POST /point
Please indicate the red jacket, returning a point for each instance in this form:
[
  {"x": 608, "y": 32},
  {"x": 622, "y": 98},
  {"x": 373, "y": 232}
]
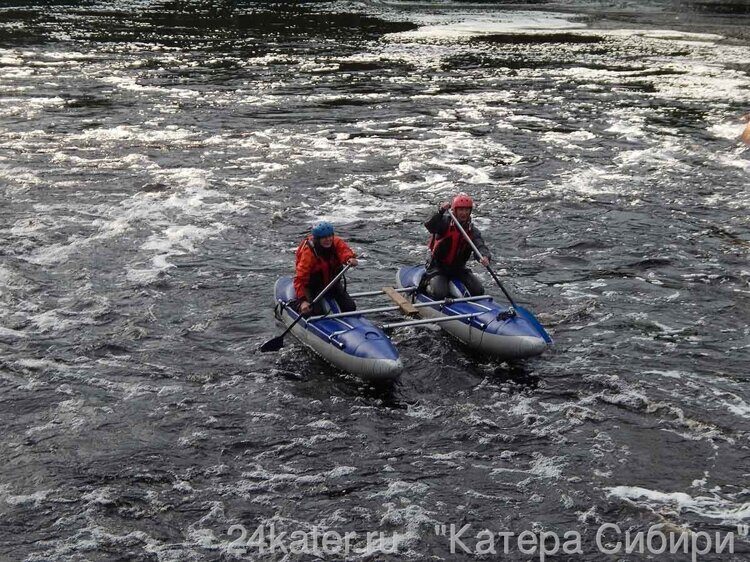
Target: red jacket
[
  {"x": 450, "y": 252},
  {"x": 308, "y": 263}
]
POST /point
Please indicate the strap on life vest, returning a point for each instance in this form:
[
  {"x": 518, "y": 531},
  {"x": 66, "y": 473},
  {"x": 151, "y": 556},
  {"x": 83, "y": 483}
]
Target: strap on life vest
[
  {"x": 325, "y": 267},
  {"x": 454, "y": 238}
]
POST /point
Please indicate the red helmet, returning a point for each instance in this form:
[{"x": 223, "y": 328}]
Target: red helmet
[{"x": 462, "y": 200}]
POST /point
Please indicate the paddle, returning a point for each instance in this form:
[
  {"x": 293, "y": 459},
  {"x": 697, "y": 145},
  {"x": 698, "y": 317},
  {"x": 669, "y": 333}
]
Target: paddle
[
  {"x": 512, "y": 310},
  {"x": 277, "y": 343}
]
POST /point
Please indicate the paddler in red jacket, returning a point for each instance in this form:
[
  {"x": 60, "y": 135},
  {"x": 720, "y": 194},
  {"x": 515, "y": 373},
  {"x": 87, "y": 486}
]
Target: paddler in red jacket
[
  {"x": 320, "y": 257},
  {"x": 450, "y": 251}
]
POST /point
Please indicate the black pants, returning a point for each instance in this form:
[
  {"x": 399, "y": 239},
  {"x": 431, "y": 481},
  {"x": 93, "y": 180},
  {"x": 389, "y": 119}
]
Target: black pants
[
  {"x": 437, "y": 285},
  {"x": 337, "y": 292}
]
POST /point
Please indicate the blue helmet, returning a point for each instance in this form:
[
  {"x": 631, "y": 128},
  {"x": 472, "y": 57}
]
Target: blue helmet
[{"x": 322, "y": 229}]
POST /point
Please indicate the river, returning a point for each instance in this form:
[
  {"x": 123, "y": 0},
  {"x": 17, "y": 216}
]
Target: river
[{"x": 161, "y": 161}]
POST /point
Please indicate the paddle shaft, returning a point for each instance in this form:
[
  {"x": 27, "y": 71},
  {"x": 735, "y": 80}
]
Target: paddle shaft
[
  {"x": 276, "y": 343},
  {"x": 479, "y": 256},
  {"x": 321, "y": 294}
]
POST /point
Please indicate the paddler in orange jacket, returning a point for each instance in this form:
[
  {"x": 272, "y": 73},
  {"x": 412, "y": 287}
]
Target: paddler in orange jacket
[
  {"x": 320, "y": 257},
  {"x": 450, "y": 252}
]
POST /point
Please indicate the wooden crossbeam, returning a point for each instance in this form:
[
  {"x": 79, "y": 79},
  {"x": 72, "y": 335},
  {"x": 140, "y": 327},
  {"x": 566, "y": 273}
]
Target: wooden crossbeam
[{"x": 404, "y": 305}]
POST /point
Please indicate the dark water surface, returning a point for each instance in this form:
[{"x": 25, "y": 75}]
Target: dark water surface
[{"x": 159, "y": 163}]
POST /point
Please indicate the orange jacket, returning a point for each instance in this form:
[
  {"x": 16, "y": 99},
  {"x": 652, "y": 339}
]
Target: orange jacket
[{"x": 308, "y": 263}]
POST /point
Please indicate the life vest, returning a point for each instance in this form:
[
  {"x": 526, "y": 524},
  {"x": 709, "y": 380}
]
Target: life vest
[
  {"x": 450, "y": 248},
  {"x": 327, "y": 266}
]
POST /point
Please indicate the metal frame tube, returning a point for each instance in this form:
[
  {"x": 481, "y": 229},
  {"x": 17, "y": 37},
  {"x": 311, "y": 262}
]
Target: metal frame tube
[
  {"x": 451, "y": 301},
  {"x": 393, "y": 308},
  {"x": 352, "y": 313},
  {"x": 375, "y": 293},
  {"x": 430, "y": 320}
]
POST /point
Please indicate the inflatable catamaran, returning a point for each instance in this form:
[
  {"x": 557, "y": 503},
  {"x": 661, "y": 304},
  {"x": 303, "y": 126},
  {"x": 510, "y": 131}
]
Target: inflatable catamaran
[
  {"x": 351, "y": 342},
  {"x": 347, "y": 340},
  {"x": 482, "y": 324}
]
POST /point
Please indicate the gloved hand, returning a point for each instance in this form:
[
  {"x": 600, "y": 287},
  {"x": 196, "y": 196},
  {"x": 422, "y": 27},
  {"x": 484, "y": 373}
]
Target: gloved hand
[{"x": 305, "y": 308}]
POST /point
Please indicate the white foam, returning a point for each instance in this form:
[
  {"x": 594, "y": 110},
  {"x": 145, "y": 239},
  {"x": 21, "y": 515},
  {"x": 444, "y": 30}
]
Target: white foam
[
  {"x": 672, "y": 374},
  {"x": 541, "y": 467},
  {"x": 71, "y": 56},
  {"x": 34, "y": 499},
  {"x": 709, "y": 82},
  {"x": 184, "y": 199},
  {"x": 728, "y": 130},
  {"x": 261, "y": 479},
  {"x": 8, "y": 333},
  {"x": 14, "y": 73},
  {"x": 340, "y": 471},
  {"x": 735, "y": 160},
  {"x": 445, "y": 27},
  {"x": 19, "y": 180},
  {"x": 401, "y": 488},
  {"x": 629, "y": 129},
  {"x": 9, "y": 278},
  {"x": 130, "y": 83},
  {"x": 144, "y": 276},
  {"x": 546, "y": 467},
  {"x": 133, "y": 133},
  {"x": 523, "y": 406},
  {"x": 669, "y": 34},
  {"x": 193, "y": 439},
  {"x": 413, "y": 517},
  {"x": 9, "y": 58},
  {"x": 36, "y": 363},
  {"x": 176, "y": 240},
  {"x": 709, "y": 507},
  {"x": 453, "y": 455},
  {"x": 737, "y": 405},
  {"x": 567, "y": 140},
  {"x": 323, "y": 424},
  {"x": 54, "y": 321},
  {"x": 423, "y": 411},
  {"x": 100, "y": 496},
  {"x": 591, "y": 180},
  {"x": 660, "y": 156}
]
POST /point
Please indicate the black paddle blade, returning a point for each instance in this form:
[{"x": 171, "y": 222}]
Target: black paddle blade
[{"x": 274, "y": 344}]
